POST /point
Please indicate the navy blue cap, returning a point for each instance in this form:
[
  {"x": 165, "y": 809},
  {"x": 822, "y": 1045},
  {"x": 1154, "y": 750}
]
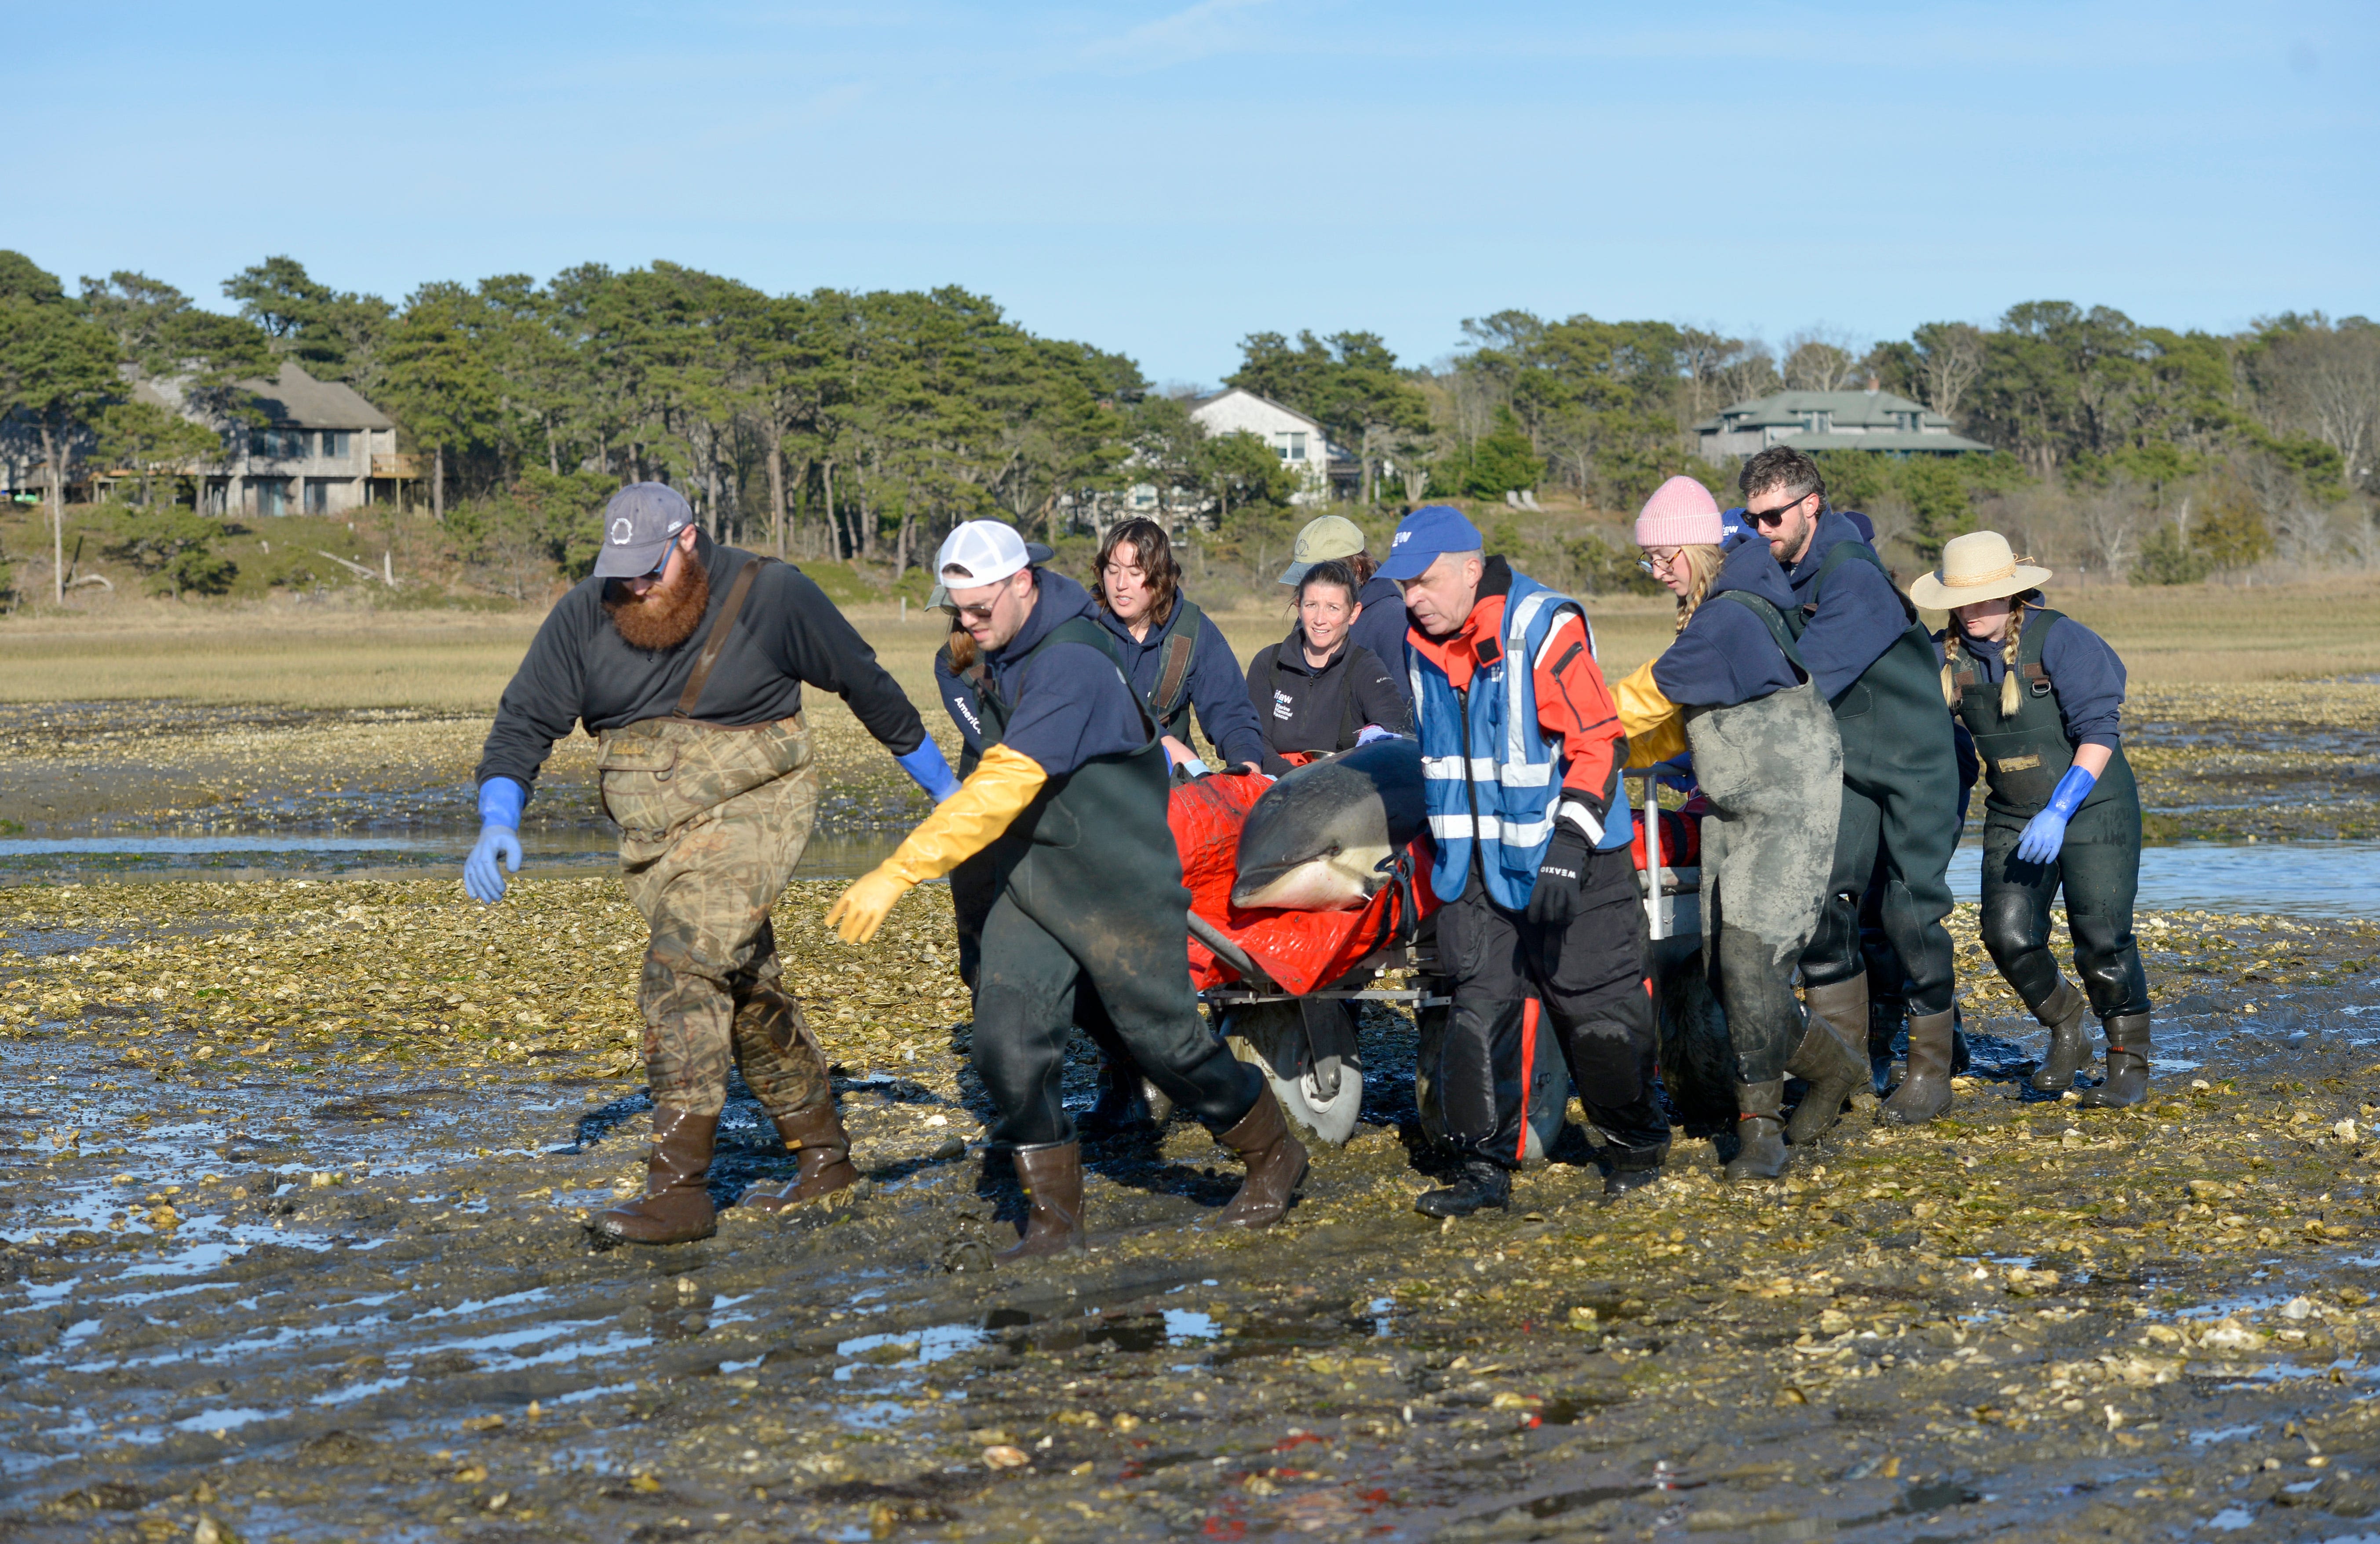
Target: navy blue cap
[
  {"x": 1426, "y": 534},
  {"x": 638, "y": 526},
  {"x": 1861, "y": 523}
]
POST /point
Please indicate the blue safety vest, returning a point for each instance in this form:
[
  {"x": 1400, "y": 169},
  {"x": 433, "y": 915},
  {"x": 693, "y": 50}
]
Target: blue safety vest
[{"x": 1489, "y": 774}]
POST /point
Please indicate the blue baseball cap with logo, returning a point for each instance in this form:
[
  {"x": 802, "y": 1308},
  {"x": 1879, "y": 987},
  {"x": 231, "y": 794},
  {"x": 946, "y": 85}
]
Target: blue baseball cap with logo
[{"x": 1425, "y": 535}]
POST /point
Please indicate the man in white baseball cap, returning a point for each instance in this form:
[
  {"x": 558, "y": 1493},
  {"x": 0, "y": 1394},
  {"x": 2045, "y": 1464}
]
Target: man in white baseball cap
[{"x": 1069, "y": 801}]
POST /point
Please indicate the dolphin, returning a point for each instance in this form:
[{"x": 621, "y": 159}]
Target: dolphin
[{"x": 1319, "y": 838}]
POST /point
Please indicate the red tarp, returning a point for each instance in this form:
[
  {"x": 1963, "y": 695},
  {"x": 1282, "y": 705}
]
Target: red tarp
[{"x": 1300, "y": 950}]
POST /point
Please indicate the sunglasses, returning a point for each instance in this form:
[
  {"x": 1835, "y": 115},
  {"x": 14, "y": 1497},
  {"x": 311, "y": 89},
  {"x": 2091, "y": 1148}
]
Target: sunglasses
[
  {"x": 1766, "y": 518},
  {"x": 974, "y": 613}
]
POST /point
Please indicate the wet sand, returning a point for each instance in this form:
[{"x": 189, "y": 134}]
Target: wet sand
[{"x": 295, "y": 1245}]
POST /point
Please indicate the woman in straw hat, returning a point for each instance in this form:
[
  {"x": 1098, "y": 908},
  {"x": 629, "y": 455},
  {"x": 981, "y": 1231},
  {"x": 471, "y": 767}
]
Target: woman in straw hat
[
  {"x": 1770, "y": 762},
  {"x": 2043, "y": 696}
]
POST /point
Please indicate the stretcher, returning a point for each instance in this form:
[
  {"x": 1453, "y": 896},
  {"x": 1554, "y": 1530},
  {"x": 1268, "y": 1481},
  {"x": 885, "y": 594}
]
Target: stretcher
[{"x": 1282, "y": 984}]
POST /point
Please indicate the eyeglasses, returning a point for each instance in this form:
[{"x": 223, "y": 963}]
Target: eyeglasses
[
  {"x": 1767, "y": 517},
  {"x": 973, "y": 614},
  {"x": 1653, "y": 562}
]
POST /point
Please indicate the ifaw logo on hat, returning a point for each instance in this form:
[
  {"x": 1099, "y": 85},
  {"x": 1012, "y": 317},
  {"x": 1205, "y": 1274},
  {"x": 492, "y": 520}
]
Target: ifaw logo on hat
[
  {"x": 1403, "y": 537},
  {"x": 622, "y": 528}
]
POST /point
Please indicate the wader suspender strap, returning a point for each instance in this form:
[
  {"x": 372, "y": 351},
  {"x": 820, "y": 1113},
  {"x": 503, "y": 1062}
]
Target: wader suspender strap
[
  {"x": 1837, "y": 555},
  {"x": 1771, "y": 619},
  {"x": 1173, "y": 675},
  {"x": 719, "y": 628},
  {"x": 1965, "y": 672}
]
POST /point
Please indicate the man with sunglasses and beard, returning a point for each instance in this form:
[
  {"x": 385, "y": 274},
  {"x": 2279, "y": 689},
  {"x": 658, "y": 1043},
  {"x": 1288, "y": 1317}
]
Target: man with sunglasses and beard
[
  {"x": 1874, "y": 663},
  {"x": 686, "y": 660}
]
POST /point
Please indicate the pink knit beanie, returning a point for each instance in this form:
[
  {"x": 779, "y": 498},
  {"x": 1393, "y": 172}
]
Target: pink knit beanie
[{"x": 1680, "y": 514}]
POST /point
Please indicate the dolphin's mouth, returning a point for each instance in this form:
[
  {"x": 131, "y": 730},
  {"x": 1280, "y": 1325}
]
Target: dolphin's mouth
[{"x": 1328, "y": 880}]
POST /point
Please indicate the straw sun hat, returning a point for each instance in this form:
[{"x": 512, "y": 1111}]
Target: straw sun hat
[{"x": 1980, "y": 565}]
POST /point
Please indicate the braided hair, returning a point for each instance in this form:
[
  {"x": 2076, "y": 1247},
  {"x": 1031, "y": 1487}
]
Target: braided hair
[
  {"x": 1703, "y": 562},
  {"x": 2011, "y": 694}
]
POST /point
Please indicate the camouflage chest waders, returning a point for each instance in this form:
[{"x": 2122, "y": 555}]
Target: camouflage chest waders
[
  {"x": 2024, "y": 755},
  {"x": 713, "y": 822}
]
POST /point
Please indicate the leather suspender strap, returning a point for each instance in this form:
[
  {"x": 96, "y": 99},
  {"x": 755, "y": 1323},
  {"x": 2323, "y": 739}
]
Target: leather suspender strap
[
  {"x": 721, "y": 626},
  {"x": 1171, "y": 676}
]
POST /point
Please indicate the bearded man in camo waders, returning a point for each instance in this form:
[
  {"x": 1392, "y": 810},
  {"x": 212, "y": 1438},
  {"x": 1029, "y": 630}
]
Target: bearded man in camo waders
[
  {"x": 1069, "y": 799},
  {"x": 1875, "y": 665},
  {"x": 686, "y": 660}
]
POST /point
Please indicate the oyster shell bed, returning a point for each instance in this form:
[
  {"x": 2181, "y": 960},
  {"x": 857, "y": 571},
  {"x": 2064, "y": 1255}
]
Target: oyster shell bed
[{"x": 298, "y": 1169}]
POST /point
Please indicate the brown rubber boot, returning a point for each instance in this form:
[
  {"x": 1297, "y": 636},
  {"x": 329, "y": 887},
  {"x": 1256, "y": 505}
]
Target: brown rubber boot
[
  {"x": 1760, "y": 1129},
  {"x": 2070, "y": 1046},
  {"x": 2128, "y": 1064},
  {"x": 1052, "y": 1178},
  {"x": 1276, "y": 1162},
  {"x": 821, "y": 1155},
  {"x": 1925, "y": 1092},
  {"x": 675, "y": 1208},
  {"x": 1844, "y": 1005},
  {"x": 1827, "y": 1061}
]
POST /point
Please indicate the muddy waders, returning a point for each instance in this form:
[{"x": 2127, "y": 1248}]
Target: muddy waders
[
  {"x": 713, "y": 821},
  {"x": 1772, "y": 771},
  {"x": 2024, "y": 755},
  {"x": 1090, "y": 893},
  {"x": 1899, "y": 809}
]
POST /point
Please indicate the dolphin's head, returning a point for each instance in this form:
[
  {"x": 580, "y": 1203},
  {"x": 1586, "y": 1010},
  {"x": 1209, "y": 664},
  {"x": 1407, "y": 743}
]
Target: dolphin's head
[{"x": 1322, "y": 837}]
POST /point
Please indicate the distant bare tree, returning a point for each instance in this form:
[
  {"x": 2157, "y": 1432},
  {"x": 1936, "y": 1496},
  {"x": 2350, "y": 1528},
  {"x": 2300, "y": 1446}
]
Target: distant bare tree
[
  {"x": 1950, "y": 358},
  {"x": 1713, "y": 365},
  {"x": 1820, "y": 359},
  {"x": 1749, "y": 373},
  {"x": 2107, "y": 525},
  {"x": 2324, "y": 380}
]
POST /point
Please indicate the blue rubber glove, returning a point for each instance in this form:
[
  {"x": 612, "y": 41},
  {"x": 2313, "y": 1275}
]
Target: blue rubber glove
[
  {"x": 925, "y": 765},
  {"x": 1677, "y": 772},
  {"x": 2045, "y": 832},
  {"x": 1371, "y": 731},
  {"x": 501, "y": 803}
]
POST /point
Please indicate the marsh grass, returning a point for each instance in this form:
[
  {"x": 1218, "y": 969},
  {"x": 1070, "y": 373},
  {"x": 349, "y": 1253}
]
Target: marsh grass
[{"x": 459, "y": 663}]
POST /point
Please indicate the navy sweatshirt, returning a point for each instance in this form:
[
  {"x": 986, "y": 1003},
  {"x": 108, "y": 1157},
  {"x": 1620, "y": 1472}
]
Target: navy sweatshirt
[
  {"x": 1070, "y": 705},
  {"x": 1726, "y": 655},
  {"x": 1381, "y": 629},
  {"x": 2085, "y": 676},
  {"x": 1219, "y": 693},
  {"x": 579, "y": 670},
  {"x": 1857, "y": 620}
]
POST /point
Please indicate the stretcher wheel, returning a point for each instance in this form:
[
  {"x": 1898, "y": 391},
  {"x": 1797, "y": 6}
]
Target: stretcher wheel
[
  {"x": 1549, "y": 1083},
  {"x": 1309, "y": 1053}
]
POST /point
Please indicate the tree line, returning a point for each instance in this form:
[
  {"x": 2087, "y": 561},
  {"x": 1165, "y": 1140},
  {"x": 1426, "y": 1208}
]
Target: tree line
[{"x": 838, "y": 424}]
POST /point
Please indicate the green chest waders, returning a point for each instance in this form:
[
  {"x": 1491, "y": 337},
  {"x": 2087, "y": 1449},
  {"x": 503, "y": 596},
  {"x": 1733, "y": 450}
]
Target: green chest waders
[
  {"x": 2024, "y": 755},
  {"x": 1900, "y": 814},
  {"x": 1090, "y": 892}
]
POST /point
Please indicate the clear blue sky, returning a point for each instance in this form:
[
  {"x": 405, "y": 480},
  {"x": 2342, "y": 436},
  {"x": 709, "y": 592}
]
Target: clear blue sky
[{"x": 1165, "y": 177}]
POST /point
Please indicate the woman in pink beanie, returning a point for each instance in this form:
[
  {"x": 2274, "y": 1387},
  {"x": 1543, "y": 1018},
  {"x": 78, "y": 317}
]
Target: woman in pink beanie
[{"x": 1769, "y": 760}]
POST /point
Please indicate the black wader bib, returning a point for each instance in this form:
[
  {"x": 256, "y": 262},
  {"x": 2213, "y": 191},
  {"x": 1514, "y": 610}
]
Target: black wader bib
[
  {"x": 2024, "y": 756},
  {"x": 1900, "y": 804},
  {"x": 1090, "y": 894},
  {"x": 1772, "y": 769}
]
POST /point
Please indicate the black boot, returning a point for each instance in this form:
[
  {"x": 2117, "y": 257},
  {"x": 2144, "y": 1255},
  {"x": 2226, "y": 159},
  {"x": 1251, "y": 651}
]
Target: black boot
[
  {"x": 1826, "y": 1061},
  {"x": 2128, "y": 1064},
  {"x": 1123, "y": 1107},
  {"x": 1759, "y": 1130},
  {"x": 1925, "y": 1092},
  {"x": 1480, "y": 1185},
  {"x": 2070, "y": 1046},
  {"x": 1633, "y": 1168}
]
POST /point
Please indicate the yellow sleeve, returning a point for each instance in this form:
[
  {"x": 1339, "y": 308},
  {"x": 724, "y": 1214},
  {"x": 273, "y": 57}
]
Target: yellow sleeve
[
  {"x": 1656, "y": 729},
  {"x": 959, "y": 827}
]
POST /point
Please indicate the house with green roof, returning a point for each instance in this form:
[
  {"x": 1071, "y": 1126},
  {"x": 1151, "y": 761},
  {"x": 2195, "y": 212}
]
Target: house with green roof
[{"x": 1872, "y": 419}]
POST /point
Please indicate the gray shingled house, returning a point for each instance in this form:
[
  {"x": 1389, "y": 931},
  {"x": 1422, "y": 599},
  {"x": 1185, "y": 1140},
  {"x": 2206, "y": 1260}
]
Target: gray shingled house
[
  {"x": 321, "y": 449},
  {"x": 1872, "y": 419}
]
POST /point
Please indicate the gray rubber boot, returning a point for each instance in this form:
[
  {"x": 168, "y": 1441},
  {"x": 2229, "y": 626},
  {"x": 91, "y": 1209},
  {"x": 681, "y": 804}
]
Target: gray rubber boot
[
  {"x": 1826, "y": 1061},
  {"x": 1925, "y": 1092},
  {"x": 1761, "y": 1130},
  {"x": 2128, "y": 1064}
]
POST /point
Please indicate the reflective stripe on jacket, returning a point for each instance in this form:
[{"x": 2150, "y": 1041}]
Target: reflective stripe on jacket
[{"x": 1491, "y": 772}]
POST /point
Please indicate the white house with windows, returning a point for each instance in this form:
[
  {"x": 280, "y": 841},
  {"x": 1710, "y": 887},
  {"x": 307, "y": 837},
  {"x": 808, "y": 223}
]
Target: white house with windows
[{"x": 1305, "y": 446}]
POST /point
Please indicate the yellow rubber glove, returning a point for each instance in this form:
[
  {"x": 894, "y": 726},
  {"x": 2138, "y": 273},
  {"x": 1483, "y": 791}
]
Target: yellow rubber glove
[
  {"x": 959, "y": 827},
  {"x": 1655, "y": 726}
]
